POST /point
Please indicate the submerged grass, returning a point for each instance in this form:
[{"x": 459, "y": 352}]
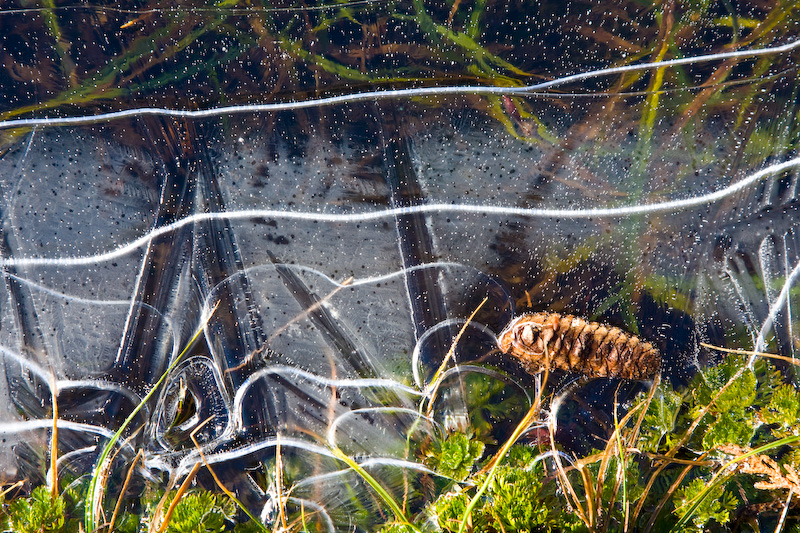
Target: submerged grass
[
  {"x": 668, "y": 464},
  {"x": 94, "y": 497},
  {"x": 675, "y": 460},
  {"x": 189, "y": 510}
]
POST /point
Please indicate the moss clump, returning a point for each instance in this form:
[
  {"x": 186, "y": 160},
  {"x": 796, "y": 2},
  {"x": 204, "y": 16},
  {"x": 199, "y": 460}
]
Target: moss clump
[{"x": 41, "y": 512}]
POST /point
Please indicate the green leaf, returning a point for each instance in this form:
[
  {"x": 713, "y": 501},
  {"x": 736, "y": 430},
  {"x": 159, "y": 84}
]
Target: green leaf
[
  {"x": 729, "y": 428},
  {"x": 660, "y": 420},
  {"x": 514, "y": 503},
  {"x": 39, "y": 513},
  {"x": 716, "y": 504},
  {"x": 730, "y": 392},
  {"x": 94, "y": 496},
  {"x": 519, "y": 498},
  {"x": 739, "y": 395},
  {"x": 397, "y": 527},
  {"x": 449, "y": 510},
  {"x": 783, "y": 407},
  {"x": 201, "y": 512},
  {"x": 457, "y": 456}
]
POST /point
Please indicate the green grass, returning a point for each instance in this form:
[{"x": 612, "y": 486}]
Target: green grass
[
  {"x": 693, "y": 459},
  {"x": 677, "y": 461}
]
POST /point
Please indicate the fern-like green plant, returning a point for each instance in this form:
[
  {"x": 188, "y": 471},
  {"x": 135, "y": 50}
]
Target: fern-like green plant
[
  {"x": 455, "y": 456},
  {"x": 201, "y": 512},
  {"x": 518, "y": 498},
  {"x": 396, "y": 527},
  {"x": 783, "y": 408},
  {"x": 39, "y": 513},
  {"x": 716, "y": 506}
]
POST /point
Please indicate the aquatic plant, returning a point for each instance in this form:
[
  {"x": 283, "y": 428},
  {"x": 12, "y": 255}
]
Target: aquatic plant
[{"x": 676, "y": 460}]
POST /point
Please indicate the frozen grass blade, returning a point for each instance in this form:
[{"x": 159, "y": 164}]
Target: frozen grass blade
[
  {"x": 622, "y": 473},
  {"x": 279, "y": 482},
  {"x": 631, "y": 441},
  {"x": 139, "y": 455},
  {"x": 680, "y": 444},
  {"x": 619, "y": 446},
  {"x": 782, "y": 519},
  {"x": 569, "y": 490},
  {"x": 300, "y": 316},
  {"x": 377, "y": 487},
  {"x": 178, "y": 495},
  {"x": 656, "y": 82},
  {"x": 54, "y": 441},
  {"x": 94, "y": 495},
  {"x": 723, "y": 474},
  {"x": 687, "y": 435},
  {"x": 8, "y": 489},
  {"x": 752, "y": 353},
  {"x": 219, "y": 483},
  {"x": 669, "y": 492},
  {"x": 437, "y": 377},
  {"x": 623, "y": 451},
  {"x": 529, "y": 417}
]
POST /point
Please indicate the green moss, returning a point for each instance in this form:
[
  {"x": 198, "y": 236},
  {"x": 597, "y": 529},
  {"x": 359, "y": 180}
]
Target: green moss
[
  {"x": 519, "y": 498},
  {"x": 201, "y": 512},
  {"x": 783, "y": 407},
  {"x": 456, "y": 455},
  {"x": 716, "y": 505},
  {"x": 39, "y": 513}
]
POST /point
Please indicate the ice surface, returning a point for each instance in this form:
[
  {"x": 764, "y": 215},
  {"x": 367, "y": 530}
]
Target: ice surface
[{"x": 340, "y": 243}]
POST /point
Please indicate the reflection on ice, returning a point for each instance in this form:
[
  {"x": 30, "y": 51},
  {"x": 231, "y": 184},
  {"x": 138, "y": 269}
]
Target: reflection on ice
[
  {"x": 446, "y": 331},
  {"x": 196, "y": 383},
  {"x": 763, "y": 279},
  {"x": 33, "y": 425}
]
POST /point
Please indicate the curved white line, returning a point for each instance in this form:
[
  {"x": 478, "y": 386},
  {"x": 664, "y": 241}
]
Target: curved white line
[
  {"x": 325, "y": 382},
  {"x": 63, "y": 384},
  {"x": 268, "y": 267},
  {"x": 26, "y": 363},
  {"x": 487, "y": 372},
  {"x": 188, "y": 462},
  {"x": 103, "y": 385},
  {"x": 375, "y": 279},
  {"x": 390, "y": 94},
  {"x": 64, "y": 296},
  {"x": 331, "y": 437},
  {"x": 369, "y": 216},
  {"x": 775, "y": 307},
  {"x": 415, "y": 354},
  {"x": 400, "y": 463},
  {"x": 552, "y": 453},
  {"x": 317, "y": 507},
  {"x": 378, "y": 461},
  {"x": 31, "y": 425}
]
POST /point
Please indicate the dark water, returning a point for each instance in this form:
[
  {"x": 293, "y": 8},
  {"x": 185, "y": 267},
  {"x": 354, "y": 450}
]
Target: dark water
[{"x": 156, "y": 178}]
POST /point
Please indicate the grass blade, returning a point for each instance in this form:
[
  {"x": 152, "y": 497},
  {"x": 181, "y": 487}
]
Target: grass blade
[{"x": 94, "y": 496}]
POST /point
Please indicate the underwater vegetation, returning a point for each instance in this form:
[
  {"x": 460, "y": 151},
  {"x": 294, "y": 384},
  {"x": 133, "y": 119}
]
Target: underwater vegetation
[{"x": 720, "y": 454}]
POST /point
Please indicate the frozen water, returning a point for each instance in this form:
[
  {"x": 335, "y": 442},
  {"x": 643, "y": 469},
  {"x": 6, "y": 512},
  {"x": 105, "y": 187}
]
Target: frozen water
[{"x": 339, "y": 244}]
